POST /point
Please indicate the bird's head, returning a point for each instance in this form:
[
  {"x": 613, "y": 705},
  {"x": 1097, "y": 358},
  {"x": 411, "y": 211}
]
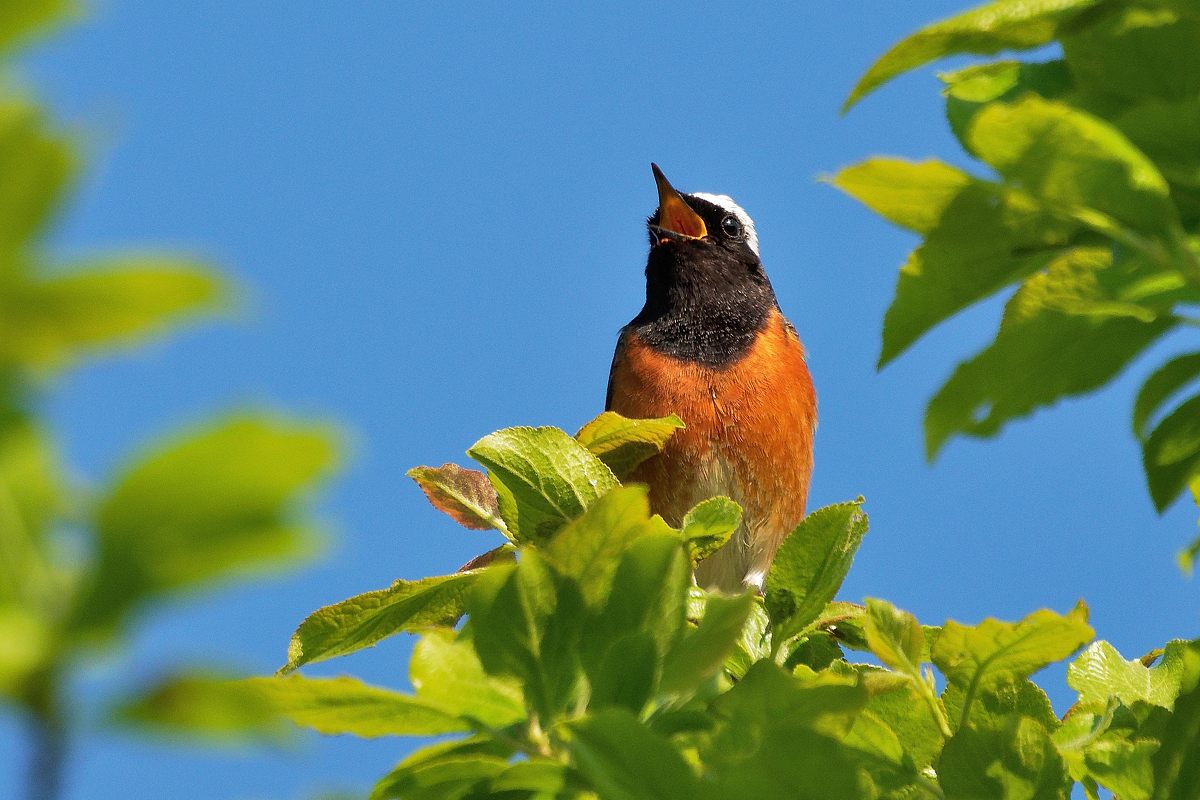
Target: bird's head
[{"x": 708, "y": 229}]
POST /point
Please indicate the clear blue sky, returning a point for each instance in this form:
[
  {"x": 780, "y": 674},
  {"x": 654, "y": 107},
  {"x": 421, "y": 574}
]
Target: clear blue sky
[{"x": 439, "y": 210}]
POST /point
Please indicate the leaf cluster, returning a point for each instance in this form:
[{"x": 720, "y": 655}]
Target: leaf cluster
[
  {"x": 1090, "y": 208},
  {"x": 580, "y": 660}
]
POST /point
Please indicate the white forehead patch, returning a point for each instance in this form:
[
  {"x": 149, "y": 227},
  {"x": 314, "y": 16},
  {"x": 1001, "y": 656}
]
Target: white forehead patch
[{"x": 726, "y": 202}]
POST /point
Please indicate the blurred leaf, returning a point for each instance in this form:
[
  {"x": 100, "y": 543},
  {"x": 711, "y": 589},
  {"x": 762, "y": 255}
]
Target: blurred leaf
[
  {"x": 709, "y": 525},
  {"x": 1168, "y": 131},
  {"x": 18, "y": 19},
  {"x": 35, "y": 163},
  {"x": 1136, "y": 52},
  {"x": 1176, "y": 768},
  {"x": 624, "y": 760},
  {"x": 649, "y": 594},
  {"x": 543, "y": 477},
  {"x": 201, "y": 507},
  {"x": 1077, "y": 164},
  {"x": 1100, "y": 673},
  {"x": 527, "y": 622},
  {"x": 346, "y": 705},
  {"x": 623, "y": 443},
  {"x": 46, "y": 321},
  {"x": 211, "y": 705},
  {"x": 1171, "y": 453},
  {"x": 995, "y": 26},
  {"x": 810, "y": 566},
  {"x": 447, "y": 675},
  {"x": 30, "y": 493},
  {"x": 627, "y": 674},
  {"x": 968, "y": 90},
  {"x": 1123, "y": 766},
  {"x": 1160, "y": 386},
  {"x": 464, "y": 494},
  {"x": 703, "y": 650},
  {"x": 1045, "y": 350},
  {"x": 25, "y": 647},
  {"x": 1013, "y": 760},
  {"x": 754, "y": 644},
  {"x": 365, "y": 619},
  {"x": 541, "y": 776},
  {"x": 996, "y": 652},
  {"x": 589, "y": 548}
]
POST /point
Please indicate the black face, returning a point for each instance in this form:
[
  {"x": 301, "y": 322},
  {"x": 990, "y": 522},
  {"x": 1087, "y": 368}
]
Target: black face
[{"x": 706, "y": 298}]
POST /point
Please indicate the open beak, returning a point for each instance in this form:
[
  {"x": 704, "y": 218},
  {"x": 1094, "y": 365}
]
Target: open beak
[{"x": 676, "y": 219}]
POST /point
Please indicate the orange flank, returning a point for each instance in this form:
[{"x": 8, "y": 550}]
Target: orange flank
[{"x": 749, "y": 436}]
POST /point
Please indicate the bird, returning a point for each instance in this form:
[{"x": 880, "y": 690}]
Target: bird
[{"x": 711, "y": 346}]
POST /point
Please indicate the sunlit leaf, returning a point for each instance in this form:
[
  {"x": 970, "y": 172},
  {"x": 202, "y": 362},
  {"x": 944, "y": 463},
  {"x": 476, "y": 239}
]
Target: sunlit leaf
[
  {"x": 45, "y": 321},
  {"x": 1171, "y": 453},
  {"x": 1160, "y": 386},
  {"x": 702, "y": 651},
  {"x": 623, "y": 443},
  {"x": 1015, "y": 758},
  {"x": 19, "y": 19},
  {"x": 221, "y": 500},
  {"x": 1176, "y": 768},
  {"x": 447, "y": 675},
  {"x": 544, "y": 478},
  {"x": 811, "y": 564},
  {"x": 623, "y": 759},
  {"x": 994, "y": 26},
  {"x": 35, "y": 162},
  {"x": 1100, "y": 673},
  {"x": 709, "y": 525},
  {"x": 969, "y": 90},
  {"x": 365, "y": 619}
]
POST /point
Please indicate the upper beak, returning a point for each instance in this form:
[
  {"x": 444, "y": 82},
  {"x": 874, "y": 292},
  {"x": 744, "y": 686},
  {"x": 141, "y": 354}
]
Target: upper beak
[{"x": 675, "y": 216}]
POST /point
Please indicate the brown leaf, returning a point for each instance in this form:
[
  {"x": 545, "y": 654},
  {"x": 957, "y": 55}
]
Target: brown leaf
[{"x": 465, "y": 494}]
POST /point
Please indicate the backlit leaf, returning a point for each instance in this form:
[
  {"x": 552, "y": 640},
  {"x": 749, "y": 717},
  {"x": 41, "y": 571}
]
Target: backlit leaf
[
  {"x": 35, "y": 162},
  {"x": 623, "y": 443},
  {"x": 1014, "y": 760},
  {"x": 447, "y": 675},
  {"x": 465, "y": 495},
  {"x": 1100, "y": 673},
  {"x": 1171, "y": 453},
  {"x": 709, "y": 525},
  {"x": 1160, "y": 386}
]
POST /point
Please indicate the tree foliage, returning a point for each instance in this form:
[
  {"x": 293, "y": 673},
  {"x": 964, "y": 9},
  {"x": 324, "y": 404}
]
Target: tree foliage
[{"x": 1090, "y": 208}]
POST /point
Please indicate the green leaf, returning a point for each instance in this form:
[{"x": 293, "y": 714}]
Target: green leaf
[
  {"x": 35, "y": 163},
  {"x": 781, "y": 738},
  {"x": 18, "y": 20},
  {"x": 1045, "y": 350},
  {"x": 30, "y": 494},
  {"x": 1168, "y": 132},
  {"x": 44, "y": 322},
  {"x": 906, "y": 713},
  {"x": 623, "y": 760},
  {"x": 627, "y": 674},
  {"x": 26, "y": 645},
  {"x": 204, "y": 506},
  {"x": 1021, "y": 697},
  {"x": 589, "y": 548},
  {"x": 208, "y": 705},
  {"x": 623, "y": 443},
  {"x": 527, "y": 622},
  {"x": 540, "y": 777},
  {"x": 971, "y": 89},
  {"x": 1176, "y": 768},
  {"x": 895, "y": 637},
  {"x": 444, "y": 769},
  {"x": 1171, "y": 454},
  {"x": 1078, "y": 165},
  {"x": 1135, "y": 52},
  {"x": 996, "y": 26},
  {"x": 346, "y": 705},
  {"x": 996, "y": 652},
  {"x": 649, "y": 593},
  {"x": 703, "y": 650},
  {"x": 365, "y": 619},
  {"x": 465, "y": 495},
  {"x": 810, "y": 566},
  {"x": 543, "y": 477},
  {"x": 912, "y": 195},
  {"x": 447, "y": 675},
  {"x": 709, "y": 525},
  {"x": 1123, "y": 766},
  {"x": 1100, "y": 673},
  {"x": 1013, "y": 760},
  {"x": 1160, "y": 386}
]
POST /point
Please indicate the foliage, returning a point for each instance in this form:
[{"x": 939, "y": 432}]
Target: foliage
[
  {"x": 583, "y": 662},
  {"x": 1092, "y": 211},
  {"x": 78, "y": 564}
]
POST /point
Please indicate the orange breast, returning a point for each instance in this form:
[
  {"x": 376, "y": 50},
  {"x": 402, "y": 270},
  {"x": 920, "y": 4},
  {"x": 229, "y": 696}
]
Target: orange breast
[{"x": 749, "y": 436}]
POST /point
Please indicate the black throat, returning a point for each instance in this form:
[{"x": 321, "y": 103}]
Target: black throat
[{"x": 704, "y": 303}]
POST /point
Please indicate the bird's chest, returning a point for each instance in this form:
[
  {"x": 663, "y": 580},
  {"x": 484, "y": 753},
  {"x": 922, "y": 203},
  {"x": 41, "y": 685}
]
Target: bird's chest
[{"x": 748, "y": 428}]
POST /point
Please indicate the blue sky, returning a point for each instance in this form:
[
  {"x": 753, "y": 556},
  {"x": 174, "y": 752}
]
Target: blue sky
[{"x": 438, "y": 212}]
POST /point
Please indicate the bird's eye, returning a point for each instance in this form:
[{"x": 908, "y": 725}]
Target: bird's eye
[{"x": 731, "y": 227}]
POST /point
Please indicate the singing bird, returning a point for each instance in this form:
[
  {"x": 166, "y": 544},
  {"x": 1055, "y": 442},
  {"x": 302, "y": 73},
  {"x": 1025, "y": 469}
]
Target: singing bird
[{"x": 712, "y": 346}]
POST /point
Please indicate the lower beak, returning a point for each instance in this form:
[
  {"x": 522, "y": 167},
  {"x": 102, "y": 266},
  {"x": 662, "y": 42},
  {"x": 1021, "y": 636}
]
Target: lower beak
[{"x": 676, "y": 219}]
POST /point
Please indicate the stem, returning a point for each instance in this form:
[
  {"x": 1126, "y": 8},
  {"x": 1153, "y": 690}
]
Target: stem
[{"x": 49, "y": 737}]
